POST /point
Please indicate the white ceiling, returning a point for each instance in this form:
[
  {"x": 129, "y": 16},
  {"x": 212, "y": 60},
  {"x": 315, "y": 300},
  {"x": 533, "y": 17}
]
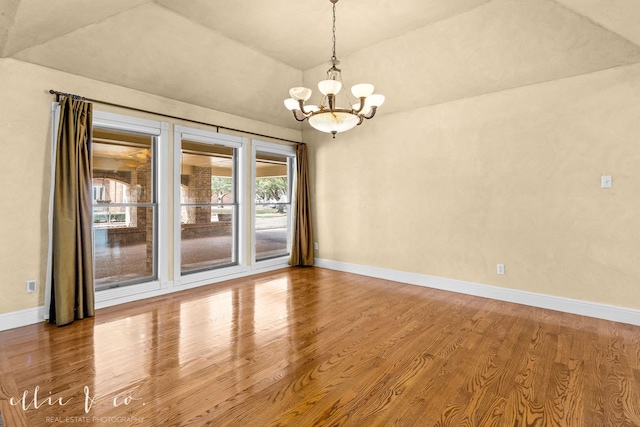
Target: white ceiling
[{"x": 225, "y": 54}]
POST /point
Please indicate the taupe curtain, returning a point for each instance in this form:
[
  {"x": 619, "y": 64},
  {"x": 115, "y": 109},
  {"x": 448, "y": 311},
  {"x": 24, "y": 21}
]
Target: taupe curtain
[
  {"x": 72, "y": 294},
  {"x": 302, "y": 243}
]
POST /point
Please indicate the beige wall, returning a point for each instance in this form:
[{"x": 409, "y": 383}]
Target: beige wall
[
  {"x": 489, "y": 149},
  {"x": 25, "y": 162},
  {"x": 511, "y": 177}
]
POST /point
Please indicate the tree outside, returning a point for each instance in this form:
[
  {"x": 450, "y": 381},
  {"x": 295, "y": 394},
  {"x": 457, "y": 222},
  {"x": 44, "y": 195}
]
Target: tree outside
[
  {"x": 220, "y": 187},
  {"x": 272, "y": 189}
]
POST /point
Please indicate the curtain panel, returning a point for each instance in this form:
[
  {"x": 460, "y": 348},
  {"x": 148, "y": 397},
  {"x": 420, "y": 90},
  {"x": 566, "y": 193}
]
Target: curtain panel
[
  {"x": 302, "y": 242},
  {"x": 72, "y": 292}
]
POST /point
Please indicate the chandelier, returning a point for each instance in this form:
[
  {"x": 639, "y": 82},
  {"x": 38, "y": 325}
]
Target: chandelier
[{"x": 327, "y": 116}]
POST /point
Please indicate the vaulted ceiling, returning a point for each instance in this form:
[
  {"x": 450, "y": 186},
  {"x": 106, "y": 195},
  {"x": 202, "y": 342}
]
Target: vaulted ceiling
[{"x": 234, "y": 56}]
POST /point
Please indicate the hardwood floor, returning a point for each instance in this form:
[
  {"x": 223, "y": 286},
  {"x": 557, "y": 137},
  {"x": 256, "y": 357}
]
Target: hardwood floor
[{"x": 314, "y": 347}]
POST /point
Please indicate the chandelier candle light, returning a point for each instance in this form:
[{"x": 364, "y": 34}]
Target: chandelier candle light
[{"x": 327, "y": 117}]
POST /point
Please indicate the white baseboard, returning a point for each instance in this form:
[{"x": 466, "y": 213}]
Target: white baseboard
[
  {"x": 568, "y": 305},
  {"x": 16, "y": 319},
  {"x": 34, "y": 315},
  {"x": 125, "y": 294}
]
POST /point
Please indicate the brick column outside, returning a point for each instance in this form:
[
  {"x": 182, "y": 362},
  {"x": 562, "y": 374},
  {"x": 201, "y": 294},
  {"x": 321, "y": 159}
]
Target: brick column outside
[
  {"x": 201, "y": 181},
  {"x": 145, "y": 214}
]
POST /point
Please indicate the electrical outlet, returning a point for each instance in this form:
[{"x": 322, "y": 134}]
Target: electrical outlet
[
  {"x": 606, "y": 182},
  {"x": 316, "y": 246},
  {"x": 500, "y": 269},
  {"x": 31, "y": 286}
]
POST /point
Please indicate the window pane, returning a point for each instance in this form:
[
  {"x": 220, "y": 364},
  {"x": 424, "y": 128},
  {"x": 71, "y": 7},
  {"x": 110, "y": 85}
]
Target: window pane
[
  {"x": 207, "y": 245},
  {"x": 271, "y": 237},
  {"x": 122, "y": 167},
  {"x": 123, "y": 251},
  {"x": 208, "y": 213},
  {"x": 123, "y": 208},
  {"x": 207, "y": 173},
  {"x": 273, "y": 205}
]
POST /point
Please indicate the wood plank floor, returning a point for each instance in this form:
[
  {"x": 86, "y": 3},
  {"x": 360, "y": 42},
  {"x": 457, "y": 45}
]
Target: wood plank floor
[{"x": 314, "y": 347}]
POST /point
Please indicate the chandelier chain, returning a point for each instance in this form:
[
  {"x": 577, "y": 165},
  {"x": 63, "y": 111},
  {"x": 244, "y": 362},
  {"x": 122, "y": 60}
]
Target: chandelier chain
[{"x": 333, "y": 58}]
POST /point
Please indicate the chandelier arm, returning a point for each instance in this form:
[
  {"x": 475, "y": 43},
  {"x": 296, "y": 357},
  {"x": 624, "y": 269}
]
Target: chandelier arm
[
  {"x": 362, "y": 99},
  {"x": 295, "y": 115},
  {"x": 306, "y": 113},
  {"x": 370, "y": 114}
]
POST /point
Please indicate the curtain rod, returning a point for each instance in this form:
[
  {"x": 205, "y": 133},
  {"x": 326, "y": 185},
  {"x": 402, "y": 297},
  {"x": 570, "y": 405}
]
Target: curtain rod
[{"x": 140, "y": 110}]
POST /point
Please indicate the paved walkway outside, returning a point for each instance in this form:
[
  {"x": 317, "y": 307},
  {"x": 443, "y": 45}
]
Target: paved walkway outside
[{"x": 128, "y": 262}]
